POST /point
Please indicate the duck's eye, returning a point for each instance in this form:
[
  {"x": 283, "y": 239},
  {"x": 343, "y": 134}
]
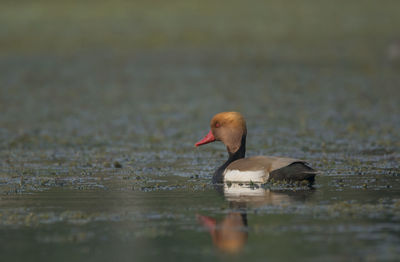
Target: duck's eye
[{"x": 217, "y": 125}]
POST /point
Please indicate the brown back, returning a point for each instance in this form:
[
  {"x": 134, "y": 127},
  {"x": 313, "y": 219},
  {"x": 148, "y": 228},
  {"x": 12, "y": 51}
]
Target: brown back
[{"x": 267, "y": 163}]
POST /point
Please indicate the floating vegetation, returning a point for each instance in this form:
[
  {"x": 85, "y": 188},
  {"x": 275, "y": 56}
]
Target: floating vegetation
[{"x": 117, "y": 164}]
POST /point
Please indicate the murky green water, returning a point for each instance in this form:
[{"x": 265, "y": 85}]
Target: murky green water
[{"x": 101, "y": 105}]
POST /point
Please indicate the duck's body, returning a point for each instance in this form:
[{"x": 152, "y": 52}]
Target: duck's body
[
  {"x": 230, "y": 128},
  {"x": 261, "y": 169}
]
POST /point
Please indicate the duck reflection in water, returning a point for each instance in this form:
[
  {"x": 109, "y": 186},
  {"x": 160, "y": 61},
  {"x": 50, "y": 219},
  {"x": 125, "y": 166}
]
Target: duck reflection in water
[{"x": 231, "y": 234}]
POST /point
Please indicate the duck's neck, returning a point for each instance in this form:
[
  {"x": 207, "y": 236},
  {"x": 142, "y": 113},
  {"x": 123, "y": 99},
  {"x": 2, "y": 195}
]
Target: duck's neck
[{"x": 233, "y": 156}]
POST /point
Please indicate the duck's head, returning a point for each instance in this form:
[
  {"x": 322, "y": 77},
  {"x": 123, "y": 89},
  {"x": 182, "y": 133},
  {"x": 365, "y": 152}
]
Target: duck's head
[{"x": 227, "y": 127}]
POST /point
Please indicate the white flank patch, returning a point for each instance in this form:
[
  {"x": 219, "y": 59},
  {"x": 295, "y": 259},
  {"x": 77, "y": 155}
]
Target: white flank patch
[{"x": 259, "y": 176}]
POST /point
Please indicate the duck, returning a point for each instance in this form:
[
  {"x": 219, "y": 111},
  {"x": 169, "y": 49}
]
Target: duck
[{"x": 230, "y": 129}]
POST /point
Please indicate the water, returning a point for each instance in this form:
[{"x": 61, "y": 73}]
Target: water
[
  {"x": 101, "y": 225},
  {"x": 97, "y": 132}
]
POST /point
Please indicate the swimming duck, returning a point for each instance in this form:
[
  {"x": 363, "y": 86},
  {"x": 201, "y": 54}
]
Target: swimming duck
[{"x": 230, "y": 128}]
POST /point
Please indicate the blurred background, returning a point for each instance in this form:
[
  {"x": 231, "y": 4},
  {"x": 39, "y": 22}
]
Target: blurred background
[
  {"x": 110, "y": 96},
  {"x": 84, "y": 69}
]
